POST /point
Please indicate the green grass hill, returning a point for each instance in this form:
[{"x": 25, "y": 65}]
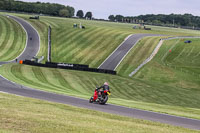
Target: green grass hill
[
  {"x": 178, "y": 68},
  {"x": 12, "y": 39}
]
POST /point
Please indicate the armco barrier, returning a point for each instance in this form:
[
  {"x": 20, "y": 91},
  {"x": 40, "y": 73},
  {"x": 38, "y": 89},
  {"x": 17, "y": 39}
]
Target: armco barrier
[{"x": 79, "y": 67}]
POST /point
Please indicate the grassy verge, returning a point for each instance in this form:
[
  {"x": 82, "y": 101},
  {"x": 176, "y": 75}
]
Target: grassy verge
[
  {"x": 19, "y": 114},
  {"x": 179, "y": 68},
  {"x": 12, "y": 39},
  {"x": 125, "y": 91},
  {"x": 137, "y": 55}
]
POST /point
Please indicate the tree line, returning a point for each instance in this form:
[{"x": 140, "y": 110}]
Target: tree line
[
  {"x": 80, "y": 14},
  {"x": 172, "y": 20},
  {"x": 37, "y": 7}
]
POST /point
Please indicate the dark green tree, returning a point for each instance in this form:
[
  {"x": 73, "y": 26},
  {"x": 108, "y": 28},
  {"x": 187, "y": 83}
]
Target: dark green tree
[
  {"x": 80, "y": 13},
  {"x": 111, "y": 18},
  {"x": 71, "y": 11},
  {"x": 119, "y": 18},
  {"x": 88, "y": 15},
  {"x": 64, "y": 13}
]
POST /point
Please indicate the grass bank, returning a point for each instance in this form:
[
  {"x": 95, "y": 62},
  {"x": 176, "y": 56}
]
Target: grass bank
[
  {"x": 178, "y": 68},
  {"x": 19, "y": 114},
  {"x": 12, "y": 39}
]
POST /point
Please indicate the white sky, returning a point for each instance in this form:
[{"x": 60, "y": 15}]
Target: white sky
[{"x": 104, "y": 8}]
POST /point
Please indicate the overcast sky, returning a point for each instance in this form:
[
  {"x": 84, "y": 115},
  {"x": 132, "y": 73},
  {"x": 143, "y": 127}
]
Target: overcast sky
[{"x": 104, "y": 8}]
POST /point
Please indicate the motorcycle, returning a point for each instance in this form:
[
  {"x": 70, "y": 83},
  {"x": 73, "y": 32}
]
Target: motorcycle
[{"x": 100, "y": 96}]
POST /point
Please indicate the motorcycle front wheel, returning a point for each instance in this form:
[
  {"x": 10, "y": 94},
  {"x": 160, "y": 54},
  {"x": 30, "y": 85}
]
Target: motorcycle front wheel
[{"x": 103, "y": 100}]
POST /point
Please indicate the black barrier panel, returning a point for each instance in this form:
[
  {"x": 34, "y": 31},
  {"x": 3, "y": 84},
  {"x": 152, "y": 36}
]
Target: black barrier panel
[
  {"x": 69, "y": 65},
  {"x": 54, "y": 65},
  {"x": 107, "y": 71},
  {"x": 49, "y": 64},
  {"x": 28, "y": 62}
]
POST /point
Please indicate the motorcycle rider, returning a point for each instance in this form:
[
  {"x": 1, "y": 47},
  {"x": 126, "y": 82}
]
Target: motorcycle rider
[{"x": 105, "y": 86}]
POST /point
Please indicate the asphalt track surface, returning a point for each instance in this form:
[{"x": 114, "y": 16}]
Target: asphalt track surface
[
  {"x": 12, "y": 88},
  {"x": 120, "y": 52}
]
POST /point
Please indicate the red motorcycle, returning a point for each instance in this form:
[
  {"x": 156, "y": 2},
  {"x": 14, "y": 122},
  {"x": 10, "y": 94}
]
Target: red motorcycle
[{"x": 100, "y": 96}]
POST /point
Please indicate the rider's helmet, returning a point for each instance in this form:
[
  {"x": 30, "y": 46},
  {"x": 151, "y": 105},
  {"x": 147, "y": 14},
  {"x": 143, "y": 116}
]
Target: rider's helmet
[{"x": 106, "y": 83}]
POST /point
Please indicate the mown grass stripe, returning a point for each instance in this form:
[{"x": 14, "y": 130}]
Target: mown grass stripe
[
  {"x": 50, "y": 79},
  {"x": 61, "y": 79},
  {"x": 12, "y": 44},
  {"x": 67, "y": 38},
  {"x": 18, "y": 73},
  {"x": 91, "y": 44},
  {"x": 86, "y": 88},
  {"x": 6, "y": 33},
  {"x": 8, "y": 39},
  {"x": 80, "y": 34},
  {"x": 16, "y": 35},
  {"x": 37, "y": 80},
  {"x": 73, "y": 50},
  {"x": 62, "y": 33},
  {"x": 1, "y": 27},
  {"x": 91, "y": 51},
  {"x": 42, "y": 78},
  {"x": 75, "y": 83},
  {"x": 51, "y": 23},
  {"x": 64, "y": 36}
]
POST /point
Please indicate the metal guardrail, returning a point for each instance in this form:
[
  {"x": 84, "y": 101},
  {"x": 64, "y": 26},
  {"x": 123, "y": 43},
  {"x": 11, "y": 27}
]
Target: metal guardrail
[{"x": 49, "y": 45}]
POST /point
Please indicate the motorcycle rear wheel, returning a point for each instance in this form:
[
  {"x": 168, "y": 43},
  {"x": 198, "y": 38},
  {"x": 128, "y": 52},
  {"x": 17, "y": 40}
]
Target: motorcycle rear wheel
[{"x": 91, "y": 100}]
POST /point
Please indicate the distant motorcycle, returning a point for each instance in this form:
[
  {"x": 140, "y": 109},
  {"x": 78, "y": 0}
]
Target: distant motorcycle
[{"x": 100, "y": 96}]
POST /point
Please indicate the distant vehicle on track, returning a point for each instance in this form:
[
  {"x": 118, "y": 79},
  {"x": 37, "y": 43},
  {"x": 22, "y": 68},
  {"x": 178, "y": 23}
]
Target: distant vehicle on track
[
  {"x": 188, "y": 41},
  {"x": 35, "y": 17}
]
